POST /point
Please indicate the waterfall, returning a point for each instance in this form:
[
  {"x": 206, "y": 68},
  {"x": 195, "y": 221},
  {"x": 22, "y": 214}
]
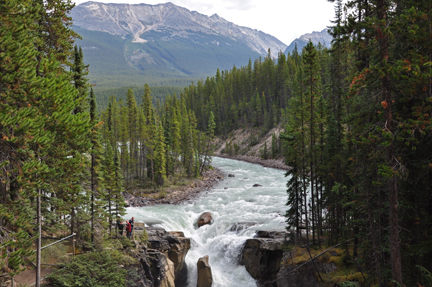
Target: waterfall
[{"x": 238, "y": 210}]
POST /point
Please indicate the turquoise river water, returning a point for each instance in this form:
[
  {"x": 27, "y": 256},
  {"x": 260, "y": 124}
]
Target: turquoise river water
[{"x": 233, "y": 200}]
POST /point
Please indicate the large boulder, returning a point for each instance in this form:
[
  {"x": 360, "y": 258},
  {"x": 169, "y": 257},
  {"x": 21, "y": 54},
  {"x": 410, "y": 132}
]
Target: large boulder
[
  {"x": 262, "y": 256},
  {"x": 205, "y": 278},
  {"x": 205, "y": 218}
]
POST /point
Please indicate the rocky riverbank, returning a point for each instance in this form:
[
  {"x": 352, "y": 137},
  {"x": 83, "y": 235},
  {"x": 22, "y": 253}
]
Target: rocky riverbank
[
  {"x": 161, "y": 258},
  {"x": 180, "y": 194},
  {"x": 273, "y": 163}
]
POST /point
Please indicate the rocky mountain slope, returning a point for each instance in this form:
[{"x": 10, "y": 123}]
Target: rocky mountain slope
[
  {"x": 138, "y": 20},
  {"x": 147, "y": 42},
  {"x": 322, "y": 37}
]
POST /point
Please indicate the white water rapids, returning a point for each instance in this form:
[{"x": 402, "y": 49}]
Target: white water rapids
[{"x": 240, "y": 202}]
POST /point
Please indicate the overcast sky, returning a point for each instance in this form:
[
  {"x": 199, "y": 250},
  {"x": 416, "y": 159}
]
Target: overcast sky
[{"x": 284, "y": 19}]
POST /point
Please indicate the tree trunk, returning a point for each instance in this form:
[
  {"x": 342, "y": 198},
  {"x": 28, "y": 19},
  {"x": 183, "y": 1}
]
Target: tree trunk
[
  {"x": 395, "y": 255},
  {"x": 39, "y": 244}
]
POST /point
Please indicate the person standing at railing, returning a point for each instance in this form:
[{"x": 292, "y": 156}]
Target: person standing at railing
[
  {"x": 132, "y": 222},
  {"x": 120, "y": 226},
  {"x": 128, "y": 229}
]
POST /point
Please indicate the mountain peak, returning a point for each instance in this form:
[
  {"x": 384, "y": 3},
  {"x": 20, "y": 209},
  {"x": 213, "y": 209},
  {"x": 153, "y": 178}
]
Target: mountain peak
[
  {"x": 138, "y": 20},
  {"x": 315, "y": 37}
]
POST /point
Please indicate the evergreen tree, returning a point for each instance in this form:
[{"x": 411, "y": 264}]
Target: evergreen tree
[
  {"x": 43, "y": 143},
  {"x": 159, "y": 156}
]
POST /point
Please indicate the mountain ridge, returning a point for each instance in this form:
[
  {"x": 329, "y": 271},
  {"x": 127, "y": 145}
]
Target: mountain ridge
[
  {"x": 139, "y": 19},
  {"x": 316, "y": 37}
]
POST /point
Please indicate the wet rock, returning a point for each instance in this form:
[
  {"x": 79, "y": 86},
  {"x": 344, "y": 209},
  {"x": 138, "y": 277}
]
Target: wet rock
[
  {"x": 242, "y": 225},
  {"x": 231, "y": 175},
  {"x": 157, "y": 239},
  {"x": 205, "y": 218},
  {"x": 257, "y": 185},
  {"x": 205, "y": 278},
  {"x": 270, "y": 234},
  {"x": 162, "y": 263},
  {"x": 153, "y": 222},
  {"x": 179, "y": 246},
  {"x": 262, "y": 257},
  {"x": 126, "y": 203}
]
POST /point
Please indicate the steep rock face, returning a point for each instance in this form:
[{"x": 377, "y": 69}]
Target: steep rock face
[
  {"x": 139, "y": 19},
  {"x": 316, "y": 37},
  {"x": 262, "y": 255},
  {"x": 161, "y": 261},
  {"x": 174, "y": 245}
]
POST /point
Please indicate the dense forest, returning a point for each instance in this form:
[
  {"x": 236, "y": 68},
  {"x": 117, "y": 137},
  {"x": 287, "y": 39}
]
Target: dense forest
[
  {"x": 64, "y": 166},
  {"x": 153, "y": 144},
  {"x": 357, "y": 120}
]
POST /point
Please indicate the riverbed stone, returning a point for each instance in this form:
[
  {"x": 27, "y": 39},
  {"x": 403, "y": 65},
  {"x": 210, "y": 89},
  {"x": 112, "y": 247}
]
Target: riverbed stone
[
  {"x": 231, "y": 175},
  {"x": 205, "y": 277},
  {"x": 257, "y": 185},
  {"x": 205, "y": 218}
]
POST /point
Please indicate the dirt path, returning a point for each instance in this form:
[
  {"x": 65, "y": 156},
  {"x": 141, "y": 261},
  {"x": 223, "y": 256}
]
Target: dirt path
[{"x": 28, "y": 277}]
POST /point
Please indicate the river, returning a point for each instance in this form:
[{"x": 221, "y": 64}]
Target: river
[{"x": 233, "y": 200}]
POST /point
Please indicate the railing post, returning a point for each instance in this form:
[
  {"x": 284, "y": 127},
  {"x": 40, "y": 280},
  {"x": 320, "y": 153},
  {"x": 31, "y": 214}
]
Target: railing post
[{"x": 73, "y": 245}]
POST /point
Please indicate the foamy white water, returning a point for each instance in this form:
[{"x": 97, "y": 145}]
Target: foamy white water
[{"x": 240, "y": 202}]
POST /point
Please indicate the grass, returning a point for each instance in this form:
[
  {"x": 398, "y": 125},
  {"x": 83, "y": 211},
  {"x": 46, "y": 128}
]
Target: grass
[
  {"x": 171, "y": 184},
  {"x": 54, "y": 253},
  {"x": 346, "y": 273}
]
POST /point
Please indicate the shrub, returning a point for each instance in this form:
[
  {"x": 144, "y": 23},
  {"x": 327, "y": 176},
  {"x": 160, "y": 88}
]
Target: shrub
[
  {"x": 95, "y": 269},
  {"x": 348, "y": 284}
]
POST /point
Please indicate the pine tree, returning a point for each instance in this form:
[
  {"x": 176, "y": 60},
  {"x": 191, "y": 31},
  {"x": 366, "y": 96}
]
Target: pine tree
[
  {"x": 159, "y": 156},
  {"x": 208, "y": 146},
  {"x": 43, "y": 143},
  {"x": 79, "y": 73},
  {"x": 96, "y": 185}
]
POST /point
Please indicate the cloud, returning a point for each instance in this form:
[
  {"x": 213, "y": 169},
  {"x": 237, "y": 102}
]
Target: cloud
[
  {"x": 243, "y": 5},
  {"x": 208, "y": 6},
  {"x": 195, "y": 5}
]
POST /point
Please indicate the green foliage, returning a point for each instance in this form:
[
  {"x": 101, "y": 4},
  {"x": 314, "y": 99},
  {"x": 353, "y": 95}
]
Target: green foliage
[
  {"x": 93, "y": 269},
  {"x": 426, "y": 274},
  {"x": 126, "y": 242}
]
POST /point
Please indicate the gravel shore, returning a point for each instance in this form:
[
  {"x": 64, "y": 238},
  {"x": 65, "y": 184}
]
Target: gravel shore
[{"x": 181, "y": 194}]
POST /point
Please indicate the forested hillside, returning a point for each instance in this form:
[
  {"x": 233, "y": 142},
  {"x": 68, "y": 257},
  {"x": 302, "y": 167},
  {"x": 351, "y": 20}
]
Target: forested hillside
[
  {"x": 64, "y": 168},
  {"x": 357, "y": 135},
  {"x": 153, "y": 144}
]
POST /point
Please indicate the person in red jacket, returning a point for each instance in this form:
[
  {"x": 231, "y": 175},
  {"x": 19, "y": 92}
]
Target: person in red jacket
[{"x": 128, "y": 229}]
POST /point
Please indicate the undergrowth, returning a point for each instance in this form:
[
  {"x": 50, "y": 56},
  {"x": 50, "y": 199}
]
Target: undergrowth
[
  {"x": 345, "y": 273},
  {"x": 95, "y": 269}
]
